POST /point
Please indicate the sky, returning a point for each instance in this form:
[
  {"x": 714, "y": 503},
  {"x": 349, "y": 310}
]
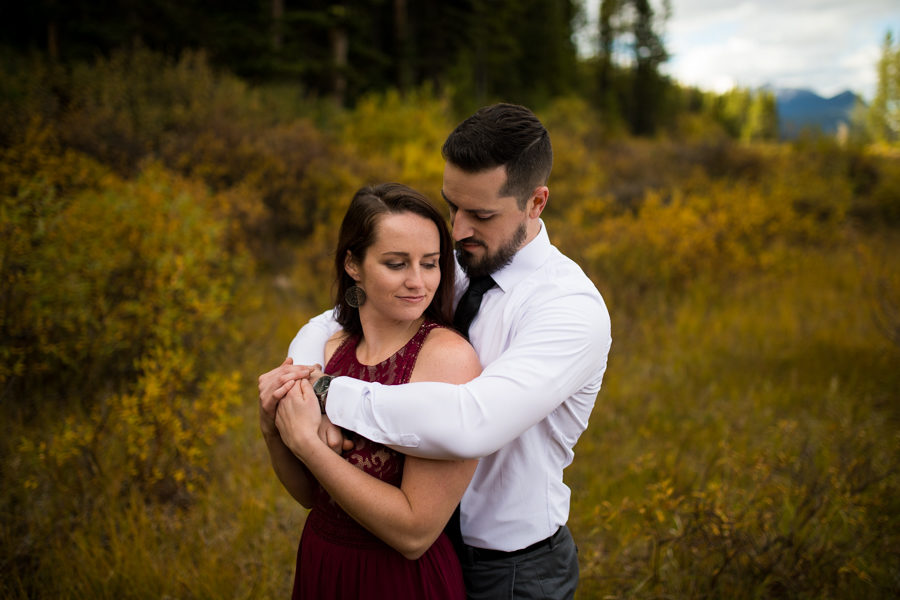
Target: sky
[{"x": 827, "y": 46}]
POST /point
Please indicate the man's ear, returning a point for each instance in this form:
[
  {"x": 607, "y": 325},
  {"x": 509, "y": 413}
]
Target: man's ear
[
  {"x": 538, "y": 201},
  {"x": 351, "y": 266}
]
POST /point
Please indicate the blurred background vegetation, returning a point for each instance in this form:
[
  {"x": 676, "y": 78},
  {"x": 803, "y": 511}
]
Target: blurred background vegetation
[{"x": 171, "y": 178}]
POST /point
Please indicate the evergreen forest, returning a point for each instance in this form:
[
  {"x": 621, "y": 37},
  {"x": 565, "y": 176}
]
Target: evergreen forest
[{"x": 172, "y": 177}]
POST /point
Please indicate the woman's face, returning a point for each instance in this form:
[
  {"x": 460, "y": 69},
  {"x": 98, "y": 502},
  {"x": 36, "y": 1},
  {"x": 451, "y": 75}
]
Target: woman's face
[{"x": 401, "y": 270}]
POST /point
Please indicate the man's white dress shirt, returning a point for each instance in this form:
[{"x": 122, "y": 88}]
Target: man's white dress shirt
[{"x": 543, "y": 336}]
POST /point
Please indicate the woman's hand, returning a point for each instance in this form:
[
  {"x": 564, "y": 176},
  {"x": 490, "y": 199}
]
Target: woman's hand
[
  {"x": 298, "y": 418},
  {"x": 273, "y": 386}
]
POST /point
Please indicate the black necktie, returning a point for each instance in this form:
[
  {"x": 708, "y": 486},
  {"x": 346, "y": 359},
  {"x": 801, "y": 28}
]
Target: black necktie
[
  {"x": 465, "y": 312},
  {"x": 469, "y": 303}
]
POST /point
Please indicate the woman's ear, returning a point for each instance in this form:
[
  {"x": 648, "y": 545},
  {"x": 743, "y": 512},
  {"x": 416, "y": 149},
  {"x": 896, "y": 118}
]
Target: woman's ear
[{"x": 351, "y": 266}]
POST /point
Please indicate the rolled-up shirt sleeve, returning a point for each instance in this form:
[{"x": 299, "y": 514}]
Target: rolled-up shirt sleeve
[{"x": 560, "y": 346}]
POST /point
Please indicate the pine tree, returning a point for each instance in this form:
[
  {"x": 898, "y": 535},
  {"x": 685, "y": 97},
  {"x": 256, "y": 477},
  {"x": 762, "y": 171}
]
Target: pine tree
[
  {"x": 883, "y": 116},
  {"x": 636, "y": 25}
]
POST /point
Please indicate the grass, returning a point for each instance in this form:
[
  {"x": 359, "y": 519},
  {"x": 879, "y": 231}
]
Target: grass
[{"x": 745, "y": 443}]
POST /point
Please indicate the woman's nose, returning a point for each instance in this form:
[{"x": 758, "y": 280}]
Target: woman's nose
[{"x": 414, "y": 278}]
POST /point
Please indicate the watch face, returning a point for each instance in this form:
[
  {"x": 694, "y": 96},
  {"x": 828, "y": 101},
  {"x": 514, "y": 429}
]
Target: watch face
[
  {"x": 321, "y": 385},
  {"x": 320, "y": 388}
]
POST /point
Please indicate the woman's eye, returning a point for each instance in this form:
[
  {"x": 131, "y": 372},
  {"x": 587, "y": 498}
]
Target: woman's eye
[
  {"x": 395, "y": 266},
  {"x": 430, "y": 265}
]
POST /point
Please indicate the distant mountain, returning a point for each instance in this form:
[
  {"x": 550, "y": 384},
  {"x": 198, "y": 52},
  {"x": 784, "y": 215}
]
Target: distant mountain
[{"x": 800, "y": 110}]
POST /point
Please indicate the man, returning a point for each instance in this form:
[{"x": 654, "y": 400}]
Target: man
[{"x": 542, "y": 333}]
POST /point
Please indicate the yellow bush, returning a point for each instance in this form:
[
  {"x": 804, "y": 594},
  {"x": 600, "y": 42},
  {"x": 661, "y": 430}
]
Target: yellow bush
[
  {"x": 702, "y": 229},
  {"x": 741, "y": 446},
  {"x": 121, "y": 317},
  {"x": 275, "y": 173},
  {"x": 37, "y": 179},
  {"x": 578, "y": 174},
  {"x": 387, "y": 137},
  {"x": 403, "y": 134},
  {"x": 119, "y": 305}
]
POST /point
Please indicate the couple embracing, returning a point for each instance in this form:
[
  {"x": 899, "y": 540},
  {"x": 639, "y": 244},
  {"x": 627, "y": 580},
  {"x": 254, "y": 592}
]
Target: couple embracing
[{"x": 432, "y": 471}]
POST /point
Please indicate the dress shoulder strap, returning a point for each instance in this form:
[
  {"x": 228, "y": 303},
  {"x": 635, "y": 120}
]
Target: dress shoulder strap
[{"x": 394, "y": 370}]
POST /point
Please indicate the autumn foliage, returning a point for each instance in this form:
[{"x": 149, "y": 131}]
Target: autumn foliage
[{"x": 166, "y": 228}]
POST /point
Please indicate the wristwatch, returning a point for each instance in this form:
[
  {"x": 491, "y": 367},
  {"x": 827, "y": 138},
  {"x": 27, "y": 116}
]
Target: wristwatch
[{"x": 320, "y": 387}]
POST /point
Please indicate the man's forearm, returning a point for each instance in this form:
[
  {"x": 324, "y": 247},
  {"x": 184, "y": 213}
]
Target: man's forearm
[
  {"x": 434, "y": 420},
  {"x": 536, "y": 374}
]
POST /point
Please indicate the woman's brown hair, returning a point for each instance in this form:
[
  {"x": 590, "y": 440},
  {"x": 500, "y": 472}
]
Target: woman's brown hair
[{"x": 357, "y": 234}]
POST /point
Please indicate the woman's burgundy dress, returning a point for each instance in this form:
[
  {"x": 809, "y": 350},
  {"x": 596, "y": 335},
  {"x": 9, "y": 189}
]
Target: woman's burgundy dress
[{"x": 338, "y": 557}]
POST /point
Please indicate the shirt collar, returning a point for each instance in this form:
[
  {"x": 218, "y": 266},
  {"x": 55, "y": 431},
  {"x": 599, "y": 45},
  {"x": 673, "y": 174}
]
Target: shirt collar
[{"x": 529, "y": 258}]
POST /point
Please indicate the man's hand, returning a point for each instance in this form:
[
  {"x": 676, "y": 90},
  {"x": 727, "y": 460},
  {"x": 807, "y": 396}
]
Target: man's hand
[
  {"x": 273, "y": 386},
  {"x": 333, "y": 435}
]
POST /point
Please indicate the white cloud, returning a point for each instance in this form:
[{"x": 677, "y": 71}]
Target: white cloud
[{"x": 825, "y": 45}]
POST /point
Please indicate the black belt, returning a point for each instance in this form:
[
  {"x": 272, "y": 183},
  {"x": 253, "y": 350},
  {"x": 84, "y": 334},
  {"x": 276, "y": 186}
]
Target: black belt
[{"x": 488, "y": 554}]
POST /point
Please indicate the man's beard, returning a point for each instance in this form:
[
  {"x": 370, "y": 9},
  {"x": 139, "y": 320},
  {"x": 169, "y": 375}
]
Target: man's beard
[{"x": 490, "y": 263}]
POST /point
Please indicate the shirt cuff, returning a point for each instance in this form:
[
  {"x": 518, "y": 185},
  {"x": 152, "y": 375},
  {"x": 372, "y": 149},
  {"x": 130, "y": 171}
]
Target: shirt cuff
[{"x": 350, "y": 404}]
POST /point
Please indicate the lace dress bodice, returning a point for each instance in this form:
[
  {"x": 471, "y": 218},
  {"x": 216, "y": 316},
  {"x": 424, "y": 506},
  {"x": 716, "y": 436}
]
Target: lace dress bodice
[{"x": 327, "y": 517}]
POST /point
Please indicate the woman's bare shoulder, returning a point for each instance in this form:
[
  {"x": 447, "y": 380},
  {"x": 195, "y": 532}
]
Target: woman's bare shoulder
[
  {"x": 446, "y": 356},
  {"x": 333, "y": 343}
]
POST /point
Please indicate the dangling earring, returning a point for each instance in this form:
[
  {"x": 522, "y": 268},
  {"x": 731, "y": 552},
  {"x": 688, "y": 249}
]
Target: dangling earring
[{"x": 355, "y": 296}]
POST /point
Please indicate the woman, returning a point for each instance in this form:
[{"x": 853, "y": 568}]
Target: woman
[{"x": 376, "y": 525}]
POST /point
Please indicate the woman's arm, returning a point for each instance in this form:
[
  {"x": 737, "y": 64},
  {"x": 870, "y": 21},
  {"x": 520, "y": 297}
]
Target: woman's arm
[
  {"x": 408, "y": 518},
  {"x": 292, "y": 473}
]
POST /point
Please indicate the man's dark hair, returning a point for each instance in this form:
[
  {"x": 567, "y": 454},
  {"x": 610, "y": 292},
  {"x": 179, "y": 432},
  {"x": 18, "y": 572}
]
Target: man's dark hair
[{"x": 503, "y": 135}]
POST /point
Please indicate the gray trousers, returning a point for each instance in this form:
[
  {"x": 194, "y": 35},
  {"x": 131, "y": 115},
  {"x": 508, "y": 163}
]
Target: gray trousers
[{"x": 548, "y": 572}]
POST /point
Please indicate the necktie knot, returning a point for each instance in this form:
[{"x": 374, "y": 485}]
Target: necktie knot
[
  {"x": 470, "y": 302},
  {"x": 479, "y": 285}
]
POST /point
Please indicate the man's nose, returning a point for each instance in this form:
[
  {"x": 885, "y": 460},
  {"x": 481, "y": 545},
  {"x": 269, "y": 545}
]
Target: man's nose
[{"x": 461, "y": 226}]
